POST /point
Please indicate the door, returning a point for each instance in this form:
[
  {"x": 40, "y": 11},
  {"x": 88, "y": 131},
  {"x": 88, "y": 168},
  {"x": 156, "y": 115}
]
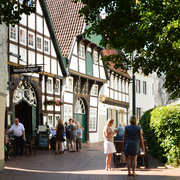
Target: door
[
  {"x": 23, "y": 112},
  {"x": 82, "y": 120},
  {"x": 80, "y": 115}
]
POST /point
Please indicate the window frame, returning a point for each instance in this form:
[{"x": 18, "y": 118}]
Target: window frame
[
  {"x": 69, "y": 87},
  {"x": 48, "y": 88},
  {"x": 138, "y": 86},
  {"x": 31, "y": 40},
  {"x": 39, "y": 44},
  {"x": 94, "y": 90},
  {"x": 66, "y": 106},
  {"x": 57, "y": 92},
  {"x": 92, "y": 122},
  {"x": 46, "y": 46},
  {"x": 13, "y": 33},
  {"x": 144, "y": 87},
  {"x": 95, "y": 57},
  {"x": 82, "y": 51},
  {"x": 52, "y": 123},
  {"x": 21, "y": 39}
]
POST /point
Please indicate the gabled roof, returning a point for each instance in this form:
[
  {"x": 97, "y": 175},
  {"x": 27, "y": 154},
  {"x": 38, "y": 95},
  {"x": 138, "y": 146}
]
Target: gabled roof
[
  {"x": 66, "y": 21},
  {"x": 108, "y": 52},
  {"x": 54, "y": 39}
]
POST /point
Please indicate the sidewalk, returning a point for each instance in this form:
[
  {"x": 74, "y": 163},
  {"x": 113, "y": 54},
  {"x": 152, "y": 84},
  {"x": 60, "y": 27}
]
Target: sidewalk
[{"x": 86, "y": 165}]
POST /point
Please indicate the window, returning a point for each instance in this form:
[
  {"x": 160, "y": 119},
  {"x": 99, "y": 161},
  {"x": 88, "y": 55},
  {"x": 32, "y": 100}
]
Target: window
[
  {"x": 92, "y": 119},
  {"x": 31, "y": 40},
  {"x": 138, "y": 113},
  {"x": 94, "y": 90},
  {"x": 138, "y": 86},
  {"x": 50, "y": 120},
  {"x": 81, "y": 51},
  {"x": 79, "y": 106},
  {"x": 95, "y": 57},
  {"x": 13, "y": 32},
  {"x": 144, "y": 87},
  {"x": 69, "y": 85},
  {"x": 49, "y": 86},
  {"x": 67, "y": 112},
  {"x": 22, "y": 36},
  {"x": 112, "y": 81},
  {"x": 46, "y": 45},
  {"x": 122, "y": 88},
  {"x": 39, "y": 43},
  {"x": 57, "y": 87},
  {"x": 57, "y": 117}
]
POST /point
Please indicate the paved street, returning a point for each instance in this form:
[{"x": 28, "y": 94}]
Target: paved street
[{"x": 86, "y": 165}]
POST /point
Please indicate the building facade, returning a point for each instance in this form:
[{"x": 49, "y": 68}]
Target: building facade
[{"x": 32, "y": 43}]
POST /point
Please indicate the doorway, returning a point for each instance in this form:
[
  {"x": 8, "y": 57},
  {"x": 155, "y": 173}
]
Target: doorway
[{"x": 80, "y": 115}]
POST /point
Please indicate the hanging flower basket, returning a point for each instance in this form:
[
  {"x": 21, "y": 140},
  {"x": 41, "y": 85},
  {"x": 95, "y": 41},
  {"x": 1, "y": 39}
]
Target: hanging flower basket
[{"x": 54, "y": 102}]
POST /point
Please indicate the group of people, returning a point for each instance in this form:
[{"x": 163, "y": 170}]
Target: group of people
[
  {"x": 132, "y": 141},
  {"x": 71, "y": 132}
]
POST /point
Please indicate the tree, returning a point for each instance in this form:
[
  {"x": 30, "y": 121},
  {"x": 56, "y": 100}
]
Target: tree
[
  {"x": 11, "y": 10},
  {"x": 149, "y": 27}
]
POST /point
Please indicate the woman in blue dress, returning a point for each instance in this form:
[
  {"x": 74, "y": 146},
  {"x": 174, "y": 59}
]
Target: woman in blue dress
[{"x": 132, "y": 140}]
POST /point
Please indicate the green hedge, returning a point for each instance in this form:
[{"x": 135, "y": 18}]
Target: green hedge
[
  {"x": 154, "y": 147},
  {"x": 165, "y": 122},
  {"x": 161, "y": 128}
]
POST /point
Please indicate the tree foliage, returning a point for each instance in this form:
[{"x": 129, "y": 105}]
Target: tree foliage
[
  {"x": 11, "y": 10},
  {"x": 149, "y": 27}
]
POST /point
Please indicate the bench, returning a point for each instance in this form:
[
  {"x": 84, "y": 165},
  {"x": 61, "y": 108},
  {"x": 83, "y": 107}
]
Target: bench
[{"x": 142, "y": 158}]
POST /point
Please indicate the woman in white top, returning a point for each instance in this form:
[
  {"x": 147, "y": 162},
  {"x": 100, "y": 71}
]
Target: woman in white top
[{"x": 109, "y": 147}]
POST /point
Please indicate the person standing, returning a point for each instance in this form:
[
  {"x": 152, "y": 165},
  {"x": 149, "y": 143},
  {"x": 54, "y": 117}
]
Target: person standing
[
  {"x": 73, "y": 133},
  {"x": 132, "y": 140},
  {"x": 109, "y": 147},
  {"x": 120, "y": 133},
  {"x": 78, "y": 137},
  {"x": 19, "y": 135},
  {"x": 59, "y": 136}
]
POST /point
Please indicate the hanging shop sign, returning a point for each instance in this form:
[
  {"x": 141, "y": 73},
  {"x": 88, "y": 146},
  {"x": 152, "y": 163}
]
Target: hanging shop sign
[{"x": 16, "y": 70}]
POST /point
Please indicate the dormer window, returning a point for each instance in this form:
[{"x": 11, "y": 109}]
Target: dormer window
[
  {"x": 95, "y": 57},
  {"x": 81, "y": 51}
]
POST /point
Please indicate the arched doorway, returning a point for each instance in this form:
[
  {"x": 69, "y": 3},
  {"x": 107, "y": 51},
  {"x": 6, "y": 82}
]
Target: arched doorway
[
  {"x": 24, "y": 106},
  {"x": 80, "y": 115}
]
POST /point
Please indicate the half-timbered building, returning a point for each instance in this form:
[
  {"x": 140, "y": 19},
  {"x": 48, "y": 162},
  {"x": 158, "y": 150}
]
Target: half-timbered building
[
  {"x": 86, "y": 70},
  {"x": 33, "y": 43}
]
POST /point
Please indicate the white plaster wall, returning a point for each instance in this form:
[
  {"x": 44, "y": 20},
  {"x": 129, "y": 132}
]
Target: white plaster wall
[
  {"x": 75, "y": 48},
  {"x": 144, "y": 101},
  {"x": 43, "y": 99},
  {"x": 14, "y": 50},
  {"x": 31, "y": 57},
  {"x": 31, "y": 21},
  {"x": 59, "y": 70},
  {"x": 39, "y": 24},
  {"x": 39, "y": 59},
  {"x": 53, "y": 53},
  {"x": 102, "y": 73},
  {"x": 82, "y": 66},
  {"x": 46, "y": 30},
  {"x": 23, "y": 21},
  {"x": 74, "y": 63},
  {"x": 93, "y": 101},
  {"x": 38, "y": 8},
  {"x": 93, "y": 137},
  {"x": 47, "y": 64},
  {"x": 95, "y": 71},
  {"x": 49, "y": 108},
  {"x": 53, "y": 66},
  {"x": 23, "y": 53},
  {"x": 68, "y": 97}
]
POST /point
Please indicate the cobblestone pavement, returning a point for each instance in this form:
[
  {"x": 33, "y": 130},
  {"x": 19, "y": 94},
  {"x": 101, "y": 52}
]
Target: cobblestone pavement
[{"x": 86, "y": 165}]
